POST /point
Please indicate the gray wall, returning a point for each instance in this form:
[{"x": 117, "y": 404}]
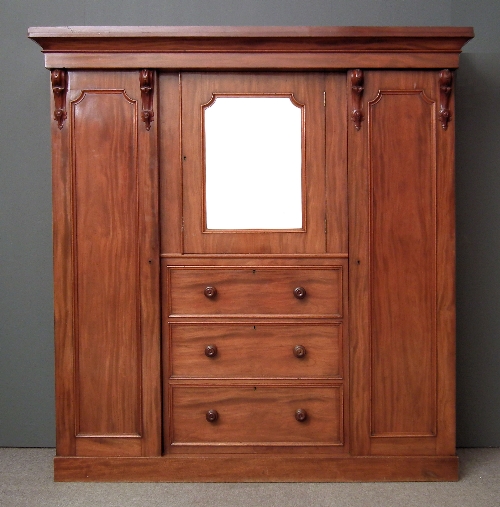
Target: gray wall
[{"x": 26, "y": 330}]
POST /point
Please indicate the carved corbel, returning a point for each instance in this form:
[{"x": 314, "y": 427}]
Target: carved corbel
[
  {"x": 357, "y": 81},
  {"x": 146, "y": 80},
  {"x": 445, "y": 82},
  {"x": 59, "y": 79}
]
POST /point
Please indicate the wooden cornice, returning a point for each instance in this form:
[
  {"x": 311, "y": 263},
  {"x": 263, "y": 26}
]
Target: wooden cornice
[{"x": 171, "y": 44}]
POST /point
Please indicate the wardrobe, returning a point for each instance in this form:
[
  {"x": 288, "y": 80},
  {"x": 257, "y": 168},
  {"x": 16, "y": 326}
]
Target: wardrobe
[{"x": 254, "y": 252}]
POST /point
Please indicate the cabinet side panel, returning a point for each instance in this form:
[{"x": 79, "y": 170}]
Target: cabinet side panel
[
  {"x": 62, "y": 231},
  {"x": 106, "y": 257},
  {"x": 446, "y": 316},
  {"x": 403, "y": 263}
]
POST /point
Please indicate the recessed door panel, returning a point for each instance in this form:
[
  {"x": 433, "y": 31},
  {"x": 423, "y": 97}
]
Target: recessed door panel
[
  {"x": 107, "y": 325},
  {"x": 403, "y": 330}
]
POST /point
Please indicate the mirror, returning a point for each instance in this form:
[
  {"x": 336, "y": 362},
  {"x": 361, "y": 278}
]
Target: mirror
[{"x": 253, "y": 163}]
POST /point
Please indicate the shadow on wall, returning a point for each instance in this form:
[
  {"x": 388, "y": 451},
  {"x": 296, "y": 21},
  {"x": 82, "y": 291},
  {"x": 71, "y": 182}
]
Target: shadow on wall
[{"x": 478, "y": 243}]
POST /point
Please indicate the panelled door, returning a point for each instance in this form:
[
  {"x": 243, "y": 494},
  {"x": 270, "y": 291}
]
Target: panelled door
[
  {"x": 402, "y": 268},
  {"x": 280, "y": 198},
  {"x": 107, "y": 315}
]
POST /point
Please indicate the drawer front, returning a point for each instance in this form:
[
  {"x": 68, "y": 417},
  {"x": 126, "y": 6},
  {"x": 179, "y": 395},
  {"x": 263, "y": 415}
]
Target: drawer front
[
  {"x": 257, "y": 415},
  {"x": 261, "y": 350},
  {"x": 256, "y": 291}
]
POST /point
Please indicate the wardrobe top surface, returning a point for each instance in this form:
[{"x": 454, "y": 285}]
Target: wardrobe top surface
[{"x": 326, "y": 38}]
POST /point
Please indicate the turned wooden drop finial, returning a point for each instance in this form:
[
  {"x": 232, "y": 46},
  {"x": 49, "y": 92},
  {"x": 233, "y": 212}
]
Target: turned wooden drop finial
[
  {"x": 357, "y": 81},
  {"x": 445, "y": 87},
  {"x": 59, "y": 79},
  {"x": 146, "y": 79}
]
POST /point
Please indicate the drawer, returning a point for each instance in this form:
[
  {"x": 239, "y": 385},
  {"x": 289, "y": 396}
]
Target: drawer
[
  {"x": 261, "y": 350},
  {"x": 257, "y": 415},
  {"x": 265, "y": 291}
]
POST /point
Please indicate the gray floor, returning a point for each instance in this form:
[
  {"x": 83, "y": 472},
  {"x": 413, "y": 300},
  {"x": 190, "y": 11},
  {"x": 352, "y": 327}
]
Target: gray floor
[{"x": 26, "y": 480}]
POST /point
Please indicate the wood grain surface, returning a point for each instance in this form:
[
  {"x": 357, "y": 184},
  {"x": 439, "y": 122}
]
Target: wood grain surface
[
  {"x": 259, "y": 350},
  {"x": 317, "y": 354}
]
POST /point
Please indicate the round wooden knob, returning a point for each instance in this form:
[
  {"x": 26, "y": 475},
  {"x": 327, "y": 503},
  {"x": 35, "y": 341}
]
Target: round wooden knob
[
  {"x": 210, "y": 292},
  {"x": 212, "y": 416},
  {"x": 299, "y": 351},
  {"x": 299, "y": 292},
  {"x": 300, "y": 415},
  {"x": 211, "y": 350}
]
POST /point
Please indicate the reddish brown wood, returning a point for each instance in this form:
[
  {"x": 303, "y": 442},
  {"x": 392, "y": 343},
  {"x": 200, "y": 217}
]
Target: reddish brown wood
[
  {"x": 106, "y": 201},
  {"x": 260, "y": 350},
  {"x": 359, "y": 287},
  {"x": 211, "y": 350},
  {"x": 403, "y": 259},
  {"x": 445, "y": 82},
  {"x": 299, "y": 351},
  {"x": 256, "y": 415},
  {"x": 63, "y": 230},
  {"x": 103, "y": 445},
  {"x": 237, "y": 359},
  {"x": 301, "y": 415},
  {"x": 335, "y": 101},
  {"x": 307, "y": 89},
  {"x": 171, "y": 219},
  {"x": 293, "y": 388},
  {"x": 249, "y": 60},
  {"x": 236, "y": 295},
  {"x": 210, "y": 292},
  {"x": 445, "y": 284},
  {"x": 107, "y": 233},
  {"x": 252, "y": 260},
  {"x": 357, "y": 89},
  {"x": 149, "y": 241},
  {"x": 59, "y": 78},
  {"x": 400, "y": 346},
  {"x": 212, "y": 416},
  {"x": 259, "y": 468},
  {"x": 258, "y": 39},
  {"x": 251, "y": 47},
  {"x": 146, "y": 79},
  {"x": 299, "y": 292},
  {"x": 404, "y": 446}
]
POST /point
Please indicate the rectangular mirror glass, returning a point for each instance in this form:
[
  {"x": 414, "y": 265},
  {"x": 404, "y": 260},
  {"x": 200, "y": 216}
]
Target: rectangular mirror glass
[{"x": 253, "y": 162}]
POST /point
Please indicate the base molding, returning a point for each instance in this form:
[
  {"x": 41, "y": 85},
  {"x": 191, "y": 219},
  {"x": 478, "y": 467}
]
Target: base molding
[{"x": 244, "y": 468}]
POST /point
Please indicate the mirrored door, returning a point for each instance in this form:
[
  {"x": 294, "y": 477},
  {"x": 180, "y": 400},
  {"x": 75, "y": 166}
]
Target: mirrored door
[{"x": 253, "y": 155}]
